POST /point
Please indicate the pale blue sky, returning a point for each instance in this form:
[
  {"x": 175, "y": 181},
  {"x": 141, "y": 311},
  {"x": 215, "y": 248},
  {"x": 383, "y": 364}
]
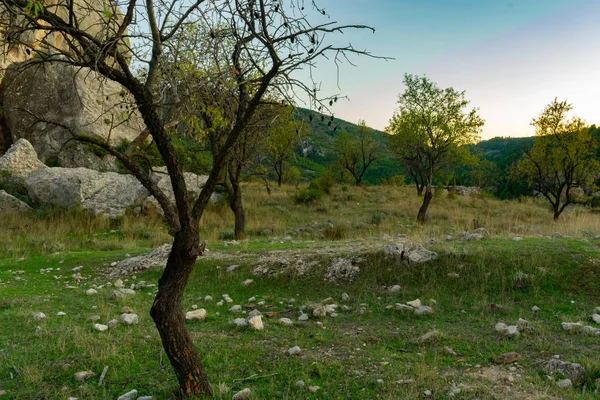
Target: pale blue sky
[{"x": 511, "y": 57}]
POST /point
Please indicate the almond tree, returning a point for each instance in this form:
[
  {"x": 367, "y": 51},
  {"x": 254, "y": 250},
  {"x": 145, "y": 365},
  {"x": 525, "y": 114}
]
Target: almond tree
[
  {"x": 562, "y": 157},
  {"x": 357, "y": 151},
  {"x": 430, "y": 124},
  {"x": 260, "y": 46}
]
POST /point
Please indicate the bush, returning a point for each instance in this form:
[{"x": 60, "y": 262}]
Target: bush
[
  {"x": 324, "y": 182},
  {"x": 396, "y": 180},
  {"x": 292, "y": 176},
  {"x": 307, "y": 196},
  {"x": 377, "y": 218}
]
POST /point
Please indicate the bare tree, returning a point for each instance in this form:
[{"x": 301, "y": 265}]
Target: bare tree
[
  {"x": 357, "y": 151},
  {"x": 262, "y": 44}
]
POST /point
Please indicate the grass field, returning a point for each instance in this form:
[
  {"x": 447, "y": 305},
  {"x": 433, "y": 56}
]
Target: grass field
[{"x": 370, "y": 351}]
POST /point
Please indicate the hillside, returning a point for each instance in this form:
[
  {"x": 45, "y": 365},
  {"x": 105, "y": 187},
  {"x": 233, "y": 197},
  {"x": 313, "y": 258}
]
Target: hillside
[{"x": 316, "y": 153}]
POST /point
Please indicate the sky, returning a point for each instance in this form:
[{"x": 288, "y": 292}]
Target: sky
[{"x": 511, "y": 57}]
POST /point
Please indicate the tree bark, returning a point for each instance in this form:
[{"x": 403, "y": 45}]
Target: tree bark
[
  {"x": 422, "y": 215},
  {"x": 170, "y": 320},
  {"x": 419, "y": 189},
  {"x": 235, "y": 202}
]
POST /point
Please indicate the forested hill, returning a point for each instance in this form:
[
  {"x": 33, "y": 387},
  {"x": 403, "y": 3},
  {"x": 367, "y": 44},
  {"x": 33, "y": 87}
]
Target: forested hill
[{"x": 316, "y": 152}]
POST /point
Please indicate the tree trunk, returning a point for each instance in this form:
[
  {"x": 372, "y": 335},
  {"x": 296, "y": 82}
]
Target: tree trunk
[
  {"x": 170, "y": 320},
  {"x": 267, "y": 186},
  {"x": 422, "y": 215},
  {"x": 419, "y": 189},
  {"x": 279, "y": 174},
  {"x": 235, "y": 202},
  {"x": 557, "y": 211},
  {"x": 357, "y": 181}
]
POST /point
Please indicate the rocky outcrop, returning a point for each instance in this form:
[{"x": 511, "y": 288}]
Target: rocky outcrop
[
  {"x": 99, "y": 192},
  {"x": 11, "y": 204},
  {"x": 409, "y": 252},
  {"x": 82, "y": 102},
  {"x": 19, "y": 161}
]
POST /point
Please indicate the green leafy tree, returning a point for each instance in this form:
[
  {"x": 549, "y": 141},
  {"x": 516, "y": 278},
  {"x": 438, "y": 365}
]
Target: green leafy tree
[
  {"x": 357, "y": 151},
  {"x": 562, "y": 157},
  {"x": 430, "y": 124}
]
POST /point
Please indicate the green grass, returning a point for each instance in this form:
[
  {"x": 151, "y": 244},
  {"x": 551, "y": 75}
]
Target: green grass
[{"x": 347, "y": 355}]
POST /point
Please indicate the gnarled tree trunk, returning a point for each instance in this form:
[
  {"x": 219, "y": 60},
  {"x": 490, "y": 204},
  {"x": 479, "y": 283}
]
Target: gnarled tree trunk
[
  {"x": 422, "y": 215},
  {"x": 169, "y": 318}
]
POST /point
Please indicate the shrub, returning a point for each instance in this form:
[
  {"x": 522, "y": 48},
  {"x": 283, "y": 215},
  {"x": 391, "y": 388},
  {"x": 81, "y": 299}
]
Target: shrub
[
  {"x": 292, "y": 176},
  {"x": 377, "y": 218},
  {"x": 308, "y": 195},
  {"x": 396, "y": 180},
  {"x": 324, "y": 182}
]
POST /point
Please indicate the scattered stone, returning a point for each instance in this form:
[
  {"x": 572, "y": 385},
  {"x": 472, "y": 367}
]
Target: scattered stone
[
  {"x": 535, "y": 309},
  {"x": 220, "y": 303},
  {"x": 256, "y": 323},
  {"x": 590, "y": 330},
  {"x": 294, "y": 350},
  {"x": 94, "y": 318},
  {"x": 512, "y": 331},
  {"x": 145, "y": 398},
  {"x": 132, "y": 395},
  {"x": 303, "y": 317},
  {"x": 100, "y": 327},
  {"x": 119, "y": 284},
  {"x": 61, "y": 314},
  {"x": 242, "y": 394},
  {"x": 314, "y": 389},
  {"x": 405, "y": 382},
  {"x": 495, "y": 308},
  {"x": 194, "y": 306},
  {"x": 285, "y": 322},
  {"x": 522, "y": 323},
  {"x": 126, "y": 309},
  {"x": 501, "y": 327},
  {"x": 254, "y": 313},
  {"x": 574, "y": 371},
  {"x": 596, "y": 318},
  {"x": 208, "y": 298},
  {"x": 404, "y": 307},
  {"x": 415, "y": 303},
  {"x": 424, "y": 310},
  {"x": 236, "y": 309},
  {"x": 83, "y": 375},
  {"x": 342, "y": 269},
  {"x": 453, "y": 275},
  {"x": 91, "y": 292},
  {"x": 346, "y": 298},
  {"x": 248, "y": 282},
  {"x": 240, "y": 322},
  {"x": 39, "y": 316},
  {"x": 395, "y": 289},
  {"x": 427, "y": 393},
  {"x": 517, "y": 238},
  {"x": 129, "y": 319},
  {"x": 198, "y": 315},
  {"x": 300, "y": 384},
  {"x": 252, "y": 299},
  {"x": 572, "y": 326},
  {"x": 112, "y": 323},
  {"x": 508, "y": 358},
  {"x": 564, "y": 383}
]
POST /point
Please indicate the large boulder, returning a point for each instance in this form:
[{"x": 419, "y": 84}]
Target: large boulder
[
  {"x": 11, "y": 204},
  {"x": 48, "y": 104},
  {"x": 409, "y": 252},
  {"x": 106, "y": 193},
  {"x": 18, "y": 162}
]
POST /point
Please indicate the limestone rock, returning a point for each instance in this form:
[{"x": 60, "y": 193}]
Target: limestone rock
[
  {"x": 342, "y": 269},
  {"x": 100, "y": 327},
  {"x": 596, "y": 318},
  {"x": 129, "y": 319},
  {"x": 240, "y": 322},
  {"x": 83, "y": 375},
  {"x": 39, "y": 316},
  {"x": 285, "y": 322},
  {"x": 512, "y": 331},
  {"x": 17, "y": 163},
  {"x": 508, "y": 358},
  {"x": 574, "y": 371},
  {"x": 564, "y": 383},
  {"x": 132, "y": 395},
  {"x": 424, "y": 310},
  {"x": 106, "y": 193},
  {"x": 198, "y": 315},
  {"x": 130, "y": 265},
  {"x": 572, "y": 326},
  {"x": 11, "y": 204},
  {"x": 256, "y": 323},
  {"x": 242, "y": 394},
  {"x": 294, "y": 350},
  {"x": 410, "y": 252},
  {"x": 91, "y": 292},
  {"x": 415, "y": 303}
]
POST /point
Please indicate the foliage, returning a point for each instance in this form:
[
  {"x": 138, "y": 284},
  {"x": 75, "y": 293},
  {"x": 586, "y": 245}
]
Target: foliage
[
  {"x": 325, "y": 182},
  {"x": 562, "y": 157},
  {"x": 357, "y": 151},
  {"x": 308, "y": 195},
  {"x": 429, "y": 128}
]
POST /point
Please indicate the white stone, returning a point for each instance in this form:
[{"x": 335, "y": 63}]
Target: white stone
[
  {"x": 132, "y": 395},
  {"x": 198, "y": 315},
  {"x": 236, "y": 309},
  {"x": 242, "y": 394},
  {"x": 596, "y": 318},
  {"x": 501, "y": 327},
  {"x": 285, "y": 322},
  {"x": 61, "y": 314},
  {"x": 119, "y": 284},
  {"x": 303, "y": 317},
  {"x": 248, "y": 282},
  {"x": 345, "y": 297},
  {"x": 512, "y": 331},
  {"x": 240, "y": 322},
  {"x": 39, "y": 316},
  {"x": 404, "y": 307},
  {"x": 252, "y": 299},
  {"x": 256, "y": 323},
  {"x": 112, "y": 323},
  {"x": 208, "y": 298},
  {"x": 415, "y": 303},
  {"x": 564, "y": 383},
  {"x": 395, "y": 289},
  {"x": 572, "y": 326},
  {"x": 100, "y": 327},
  {"x": 91, "y": 292},
  {"x": 424, "y": 310},
  {"x": 294, "y": 350},
  {"x": 83, "y": 375},
  {"x": 535, "y": 309},
  {"x": 129, "y": 319}
]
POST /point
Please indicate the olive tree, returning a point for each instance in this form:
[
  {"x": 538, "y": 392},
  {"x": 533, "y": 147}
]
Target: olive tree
[
  {"x": 562, "y": 157},
  {"x": 260, "y": 46},
  {"x": 429, "y": 126}
]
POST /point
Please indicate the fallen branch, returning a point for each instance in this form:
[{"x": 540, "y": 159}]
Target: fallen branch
[{"x": 102, "y": 375}]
